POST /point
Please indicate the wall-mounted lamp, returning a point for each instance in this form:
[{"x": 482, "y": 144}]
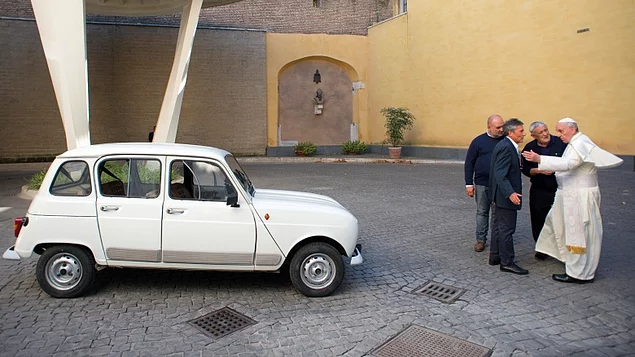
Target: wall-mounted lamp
[{"x": 317, "y": 78}]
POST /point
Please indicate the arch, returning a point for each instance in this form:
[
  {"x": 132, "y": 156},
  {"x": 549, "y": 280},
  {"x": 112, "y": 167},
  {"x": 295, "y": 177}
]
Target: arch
[
  {"x": 325, "y": 129},
  {"x": 350, "y": 70},
  {"x": 310, "y": 109}
]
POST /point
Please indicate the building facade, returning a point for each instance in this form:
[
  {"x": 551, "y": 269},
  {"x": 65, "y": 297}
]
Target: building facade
[{"x": 452, "y": 63}]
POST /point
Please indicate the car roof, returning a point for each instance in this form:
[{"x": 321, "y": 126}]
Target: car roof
[{"x": 162, "y": 149}]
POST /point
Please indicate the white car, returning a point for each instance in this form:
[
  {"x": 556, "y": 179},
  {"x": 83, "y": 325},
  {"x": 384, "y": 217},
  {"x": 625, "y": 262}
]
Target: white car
[{"x": 176, "y": 206}]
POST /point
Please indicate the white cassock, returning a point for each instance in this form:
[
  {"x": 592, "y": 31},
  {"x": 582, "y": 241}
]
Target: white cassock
[{"x": 573, "y": 229}]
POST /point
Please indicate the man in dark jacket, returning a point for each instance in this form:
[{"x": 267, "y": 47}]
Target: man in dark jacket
[
  {"x": 477, "y": 163},
  {"x": 543, "y": 183},
  {"x": 506, "y": 187}
]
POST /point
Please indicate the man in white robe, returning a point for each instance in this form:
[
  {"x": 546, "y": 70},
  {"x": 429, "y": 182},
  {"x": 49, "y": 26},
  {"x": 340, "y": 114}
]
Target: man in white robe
[{"x": 573, "y": 230}]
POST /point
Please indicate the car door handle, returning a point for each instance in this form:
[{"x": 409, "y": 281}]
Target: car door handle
[
  {"x": 109, "y": 208},
  {"x": 176, "y": 211}
]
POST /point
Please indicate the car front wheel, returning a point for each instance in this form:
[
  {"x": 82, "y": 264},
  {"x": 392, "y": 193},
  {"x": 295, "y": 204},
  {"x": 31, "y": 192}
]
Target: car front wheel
[
  {"x": 65, "y": 271},
  {"x": 317, "y": 269}
]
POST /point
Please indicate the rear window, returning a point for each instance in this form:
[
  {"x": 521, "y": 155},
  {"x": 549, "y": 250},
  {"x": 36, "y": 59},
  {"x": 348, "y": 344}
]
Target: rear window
[{"x": 72, "y": 179}]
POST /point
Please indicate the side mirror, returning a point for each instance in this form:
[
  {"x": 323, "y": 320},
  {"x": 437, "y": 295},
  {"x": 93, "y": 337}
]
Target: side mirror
[{"x": 232, "y": 200}]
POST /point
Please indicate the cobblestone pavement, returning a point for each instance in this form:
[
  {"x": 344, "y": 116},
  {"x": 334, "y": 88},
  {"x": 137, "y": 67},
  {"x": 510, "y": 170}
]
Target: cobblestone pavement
[{"x": 416, "y": 225}]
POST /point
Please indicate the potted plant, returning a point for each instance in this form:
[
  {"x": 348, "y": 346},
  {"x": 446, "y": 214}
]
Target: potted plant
[
  {"x": 397, "y": 121},
  {"x": 354, "y": 147},
  {"x": 304, "y": 148}
]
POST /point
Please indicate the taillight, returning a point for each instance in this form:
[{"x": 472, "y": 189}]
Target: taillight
[{"x": 18, "y": 223}]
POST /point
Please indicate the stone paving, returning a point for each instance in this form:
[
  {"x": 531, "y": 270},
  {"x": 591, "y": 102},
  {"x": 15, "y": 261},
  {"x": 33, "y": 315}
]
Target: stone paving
[{"x": 416, "y": 225}]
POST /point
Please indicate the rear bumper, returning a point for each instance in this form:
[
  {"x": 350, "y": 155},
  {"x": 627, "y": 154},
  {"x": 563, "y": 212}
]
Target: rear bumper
[
  {"x": 357, "y": 257},
  {"x": 10, "y": 254}
]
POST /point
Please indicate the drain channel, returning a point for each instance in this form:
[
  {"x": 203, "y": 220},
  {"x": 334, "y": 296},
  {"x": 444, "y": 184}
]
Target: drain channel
[
  {"x": 221, "y": 322},
  {"x": 444, "y": 293}
]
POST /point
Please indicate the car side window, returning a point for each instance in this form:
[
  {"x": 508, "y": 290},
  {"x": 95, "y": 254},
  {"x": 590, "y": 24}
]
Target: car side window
[
  {"x": 113, "y": 177},
  {"x": 133, "y": 178},
  {"x": 198, "y": 180},
  {"x": 72, "y": 179},
  {"x": 145, "y": 179}
]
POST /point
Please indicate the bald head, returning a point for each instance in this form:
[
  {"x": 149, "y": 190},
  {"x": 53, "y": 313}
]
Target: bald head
[{"x": 495, "y": 125}]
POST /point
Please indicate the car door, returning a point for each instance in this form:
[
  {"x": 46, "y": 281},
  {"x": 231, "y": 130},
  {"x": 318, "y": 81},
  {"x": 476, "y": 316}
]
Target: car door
[
  {"x": 199, "y": 227},
  {"x": 129, "y": 207}
]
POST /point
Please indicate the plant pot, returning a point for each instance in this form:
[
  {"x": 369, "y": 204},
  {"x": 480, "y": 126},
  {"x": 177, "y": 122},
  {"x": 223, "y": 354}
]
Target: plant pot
[
  {"x": 299, "y": 153},
  {"x": 394, "y": 152}
]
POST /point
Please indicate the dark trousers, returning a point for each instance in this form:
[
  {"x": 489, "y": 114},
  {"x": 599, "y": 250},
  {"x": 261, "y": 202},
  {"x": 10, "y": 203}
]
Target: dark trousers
[
  {"x": 540, "y": 202},
  {"x": 504, "y": 226}
]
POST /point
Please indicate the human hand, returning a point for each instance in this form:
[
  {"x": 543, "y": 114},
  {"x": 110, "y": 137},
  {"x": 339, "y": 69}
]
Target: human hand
[
  {"x": 515, "y": 198},
  {"x": 469, "y": 190},
  {"x": 531, "y": 156}
]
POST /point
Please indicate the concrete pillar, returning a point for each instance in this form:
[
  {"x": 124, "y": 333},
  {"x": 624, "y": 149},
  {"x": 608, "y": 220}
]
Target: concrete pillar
[
  {"x": 62, "y": 27},
  {"x": 168, "y": 121}
]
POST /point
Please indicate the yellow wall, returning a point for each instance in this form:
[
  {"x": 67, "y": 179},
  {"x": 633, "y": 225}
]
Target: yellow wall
[
  {"x": 347, "y": 51},
  {"x": 388, "y": 76},
  {"x": 455, "y": 62}
]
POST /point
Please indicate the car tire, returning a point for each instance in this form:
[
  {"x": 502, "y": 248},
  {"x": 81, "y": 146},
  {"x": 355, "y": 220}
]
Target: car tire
[
  {"x": 65, "y": 271},
  {"x": 316, "y": 269}
]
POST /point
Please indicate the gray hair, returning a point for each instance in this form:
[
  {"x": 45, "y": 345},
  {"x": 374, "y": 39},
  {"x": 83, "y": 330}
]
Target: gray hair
[
  {"x": 511, "y": 125},
  {"x": 533, "y": 126}
]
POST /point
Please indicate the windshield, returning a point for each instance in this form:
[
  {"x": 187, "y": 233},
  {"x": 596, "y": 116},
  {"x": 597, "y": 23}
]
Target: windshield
[{"x": 240, "y": 174}]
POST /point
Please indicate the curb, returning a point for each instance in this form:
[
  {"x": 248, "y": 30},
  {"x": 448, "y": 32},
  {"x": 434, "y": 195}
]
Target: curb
[
  {"x": 340, "y": 159},
  {"x": 26, "y": 193}
]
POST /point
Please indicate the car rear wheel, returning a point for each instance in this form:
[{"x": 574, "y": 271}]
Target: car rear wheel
[
  {"x": 316, "y": 269},
  {"x": 65, "y": 271}
]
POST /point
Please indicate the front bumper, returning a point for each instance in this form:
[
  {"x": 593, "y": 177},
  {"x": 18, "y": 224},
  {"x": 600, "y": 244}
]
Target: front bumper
[
  {"x": 357, "y": 258},
  {"x": 10, "y": 254}
]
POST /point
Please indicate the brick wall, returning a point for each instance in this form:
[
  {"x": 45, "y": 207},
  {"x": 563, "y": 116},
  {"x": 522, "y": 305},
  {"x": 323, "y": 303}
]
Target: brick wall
[
  {"x": 224, "y": 103},
  {"x": 285, "y": 16}
]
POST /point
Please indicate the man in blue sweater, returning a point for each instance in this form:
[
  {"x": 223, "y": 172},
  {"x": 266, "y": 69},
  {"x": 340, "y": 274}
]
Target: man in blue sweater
[{"x": 477, "y": 165}]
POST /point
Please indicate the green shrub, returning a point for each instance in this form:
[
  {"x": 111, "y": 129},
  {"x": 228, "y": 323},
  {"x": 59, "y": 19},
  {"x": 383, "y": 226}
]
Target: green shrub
[
  {"x": 354, "y": 147},
  {"x": 304, "y": 148},
  {"x": 398, "y": 120},
  {"x": 35, "y": 181}
]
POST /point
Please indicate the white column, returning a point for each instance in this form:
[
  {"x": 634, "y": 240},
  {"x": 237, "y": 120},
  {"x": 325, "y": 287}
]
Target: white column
[
  {"x": 62, "y": 27},
  {"x": 168, "y": 122}
]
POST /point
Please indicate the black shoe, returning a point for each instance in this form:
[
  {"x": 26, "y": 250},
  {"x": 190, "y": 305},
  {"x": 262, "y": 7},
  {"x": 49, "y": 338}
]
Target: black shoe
[
  {"x": 564, "y": 278},
  {"x": 494, "y": 261},
  {"x": 513, "y": 268},
  {"x": 540, "y": 256}
]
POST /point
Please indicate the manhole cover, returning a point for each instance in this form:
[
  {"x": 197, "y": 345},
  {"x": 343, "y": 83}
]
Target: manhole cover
[
  {"x": 443, "y": 293},
  {"x": 221, "y": 322},
  {"x": 417, "y": 341}
]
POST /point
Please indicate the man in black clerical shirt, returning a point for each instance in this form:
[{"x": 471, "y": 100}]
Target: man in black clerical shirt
[{"x": 543, "y": 183}]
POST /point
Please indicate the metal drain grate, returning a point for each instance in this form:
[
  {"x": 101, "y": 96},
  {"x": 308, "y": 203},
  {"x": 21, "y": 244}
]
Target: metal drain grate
[
  {"x": 221, "y": 322},
  {"x": 443, "y": 293},
  {"x": 417, "y": 341}
]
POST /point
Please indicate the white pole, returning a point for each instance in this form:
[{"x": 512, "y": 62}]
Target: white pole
[
  {"x": 62, "y": 27},
  {"x": 168, "y": 122}
]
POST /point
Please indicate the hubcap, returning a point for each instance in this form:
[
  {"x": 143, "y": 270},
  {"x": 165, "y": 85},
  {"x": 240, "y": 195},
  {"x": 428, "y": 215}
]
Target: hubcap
[
  {"x": 318, "y": 271},
  {"x": 63, "y": 271}
]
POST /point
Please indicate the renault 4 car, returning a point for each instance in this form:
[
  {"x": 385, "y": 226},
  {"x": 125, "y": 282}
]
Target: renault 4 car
[{"x": 177, "y": 206}]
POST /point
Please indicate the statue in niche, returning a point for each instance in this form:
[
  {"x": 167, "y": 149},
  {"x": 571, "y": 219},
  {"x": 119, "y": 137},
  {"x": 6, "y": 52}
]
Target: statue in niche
[
  {"x": 319, "y": 97},
  {"x": 319, "y": 102}
]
